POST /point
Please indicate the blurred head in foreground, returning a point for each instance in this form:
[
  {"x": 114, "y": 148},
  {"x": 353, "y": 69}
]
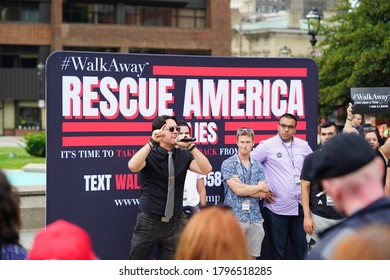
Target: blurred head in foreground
[
  {"x": 350, "y": 173},
  {"x": 212, "y": 234},
  {"x": 62, "y": 240},
  {"x": 371, "y": 242},
  {"x": 10, "y": 222}
]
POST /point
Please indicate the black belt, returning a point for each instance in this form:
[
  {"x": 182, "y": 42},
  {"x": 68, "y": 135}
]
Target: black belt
[{"x": 160, "y": 218}]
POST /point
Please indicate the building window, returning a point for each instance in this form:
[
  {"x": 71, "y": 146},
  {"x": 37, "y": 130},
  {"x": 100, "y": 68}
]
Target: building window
[
  {"x": 88, "y": 13},
  {"x": 90, "y": 49},
  {"x": 165, "y": 16},
  {"x": 29, "y": 118},
  {"x": 135, "y": 15},
  {"x": 12, "y": 56},
  {"x": 170, "y": 51},
  {"x": 25, "y": 11}
]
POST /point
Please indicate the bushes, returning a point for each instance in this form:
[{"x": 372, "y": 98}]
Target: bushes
[{"x": 36, "y": 144}]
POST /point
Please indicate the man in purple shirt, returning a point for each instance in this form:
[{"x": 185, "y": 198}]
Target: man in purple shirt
[{"x": 282, "y": 157}]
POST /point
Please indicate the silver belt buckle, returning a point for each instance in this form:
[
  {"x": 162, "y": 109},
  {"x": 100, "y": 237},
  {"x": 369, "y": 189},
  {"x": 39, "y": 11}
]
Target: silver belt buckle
[{"x": 164, "y": 220}]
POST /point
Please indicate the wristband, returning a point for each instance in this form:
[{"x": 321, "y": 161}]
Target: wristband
[
  {"x": 154, "y": 143},
  {"x": 150, "y": 145},
  {"x": 349, "y": 119},
  {"x": 193, "y": 147}
]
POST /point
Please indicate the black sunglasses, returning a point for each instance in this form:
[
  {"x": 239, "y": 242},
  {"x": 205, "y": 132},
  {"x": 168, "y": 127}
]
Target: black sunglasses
[{"x": 172, "y": 128}]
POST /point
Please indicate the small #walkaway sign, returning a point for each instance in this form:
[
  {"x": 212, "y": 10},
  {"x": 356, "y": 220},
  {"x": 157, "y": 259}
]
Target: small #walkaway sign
[{"x": 371, "y": 100}]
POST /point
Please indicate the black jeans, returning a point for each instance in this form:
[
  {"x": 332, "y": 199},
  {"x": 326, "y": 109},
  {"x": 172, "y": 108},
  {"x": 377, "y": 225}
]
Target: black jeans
[{"x": 149, "y": 231}]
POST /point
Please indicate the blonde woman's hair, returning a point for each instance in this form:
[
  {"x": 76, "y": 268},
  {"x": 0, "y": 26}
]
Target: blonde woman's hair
[{"x": 212, "y": 234}]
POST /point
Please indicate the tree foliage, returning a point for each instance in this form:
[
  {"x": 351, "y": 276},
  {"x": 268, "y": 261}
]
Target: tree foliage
[{"x": 356, "y": 52}]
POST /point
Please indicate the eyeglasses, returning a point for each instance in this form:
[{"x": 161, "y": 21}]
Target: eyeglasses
[
  {"x": 243, "y": 130},
  {"x": 290, "y": 127},
  {"x": 172, "y": 128}
]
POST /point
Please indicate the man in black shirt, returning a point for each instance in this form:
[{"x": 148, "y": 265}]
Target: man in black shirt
[
  {"x": 154, "y": 226},
  {"x": 318, "y": 210}
]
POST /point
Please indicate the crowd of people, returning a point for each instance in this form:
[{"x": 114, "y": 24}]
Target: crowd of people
[
  {"x": 328, "y": 204},
  {"x": 280, "y": 188}
]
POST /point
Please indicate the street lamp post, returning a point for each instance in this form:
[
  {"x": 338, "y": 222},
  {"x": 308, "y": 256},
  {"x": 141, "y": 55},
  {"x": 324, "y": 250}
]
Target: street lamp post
[
  {"x": 240, "y": 46},
  {"x": 285, "y": 52},
  {"x": 41, "y": 69},
  {"x": 313, "y": 24},
  {"x": 41, "y": 90}
]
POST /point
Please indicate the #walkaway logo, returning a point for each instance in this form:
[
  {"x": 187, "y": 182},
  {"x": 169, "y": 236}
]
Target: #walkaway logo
[{"x": 98, "y": 64}]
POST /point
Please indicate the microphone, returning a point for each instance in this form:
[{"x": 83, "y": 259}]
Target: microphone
[{"x": 187, "y": 139}]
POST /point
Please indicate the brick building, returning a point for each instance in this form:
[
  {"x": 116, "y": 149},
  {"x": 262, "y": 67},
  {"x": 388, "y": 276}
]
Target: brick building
[{"x": 30, "y": 30}]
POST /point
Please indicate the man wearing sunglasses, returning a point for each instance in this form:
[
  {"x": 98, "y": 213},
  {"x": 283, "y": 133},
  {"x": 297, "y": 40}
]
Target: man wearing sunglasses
[
  {"x": 157, "y": 224},
  {"x": 244, "y": 183},
  {"x": 282, "y": 157}
]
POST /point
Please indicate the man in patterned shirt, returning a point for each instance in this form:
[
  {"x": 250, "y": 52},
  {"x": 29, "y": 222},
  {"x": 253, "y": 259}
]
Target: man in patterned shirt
[{"x": 244, "y": 183}]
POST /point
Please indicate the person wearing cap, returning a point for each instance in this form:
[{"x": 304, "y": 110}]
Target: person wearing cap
[
  {"x": 317, "y": 205},
  {"x": 351, "y": 173},
  {"x": 62, "y": 240},
  {"x": 244, "y": 183},
  {"x": 282, "y": 157}
]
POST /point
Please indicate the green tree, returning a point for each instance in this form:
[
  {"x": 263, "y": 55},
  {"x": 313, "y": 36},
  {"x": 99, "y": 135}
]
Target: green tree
[{"x": 356, "y": 52}]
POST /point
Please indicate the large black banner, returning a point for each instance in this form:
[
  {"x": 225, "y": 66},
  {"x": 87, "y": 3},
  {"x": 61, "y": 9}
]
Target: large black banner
[{"x": 99, "y": 112}]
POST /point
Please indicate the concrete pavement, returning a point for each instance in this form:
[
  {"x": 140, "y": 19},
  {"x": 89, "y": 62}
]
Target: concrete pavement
[{"x": 11, "y": 141}]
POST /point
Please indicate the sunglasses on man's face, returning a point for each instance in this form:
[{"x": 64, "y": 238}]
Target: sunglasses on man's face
[{"x": 172, "y": 128}]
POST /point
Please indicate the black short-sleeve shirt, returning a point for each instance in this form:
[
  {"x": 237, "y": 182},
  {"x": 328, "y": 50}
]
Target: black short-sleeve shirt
[
  {"x": 318, "y": 205},
  {"x": 154, "y": 180}
]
